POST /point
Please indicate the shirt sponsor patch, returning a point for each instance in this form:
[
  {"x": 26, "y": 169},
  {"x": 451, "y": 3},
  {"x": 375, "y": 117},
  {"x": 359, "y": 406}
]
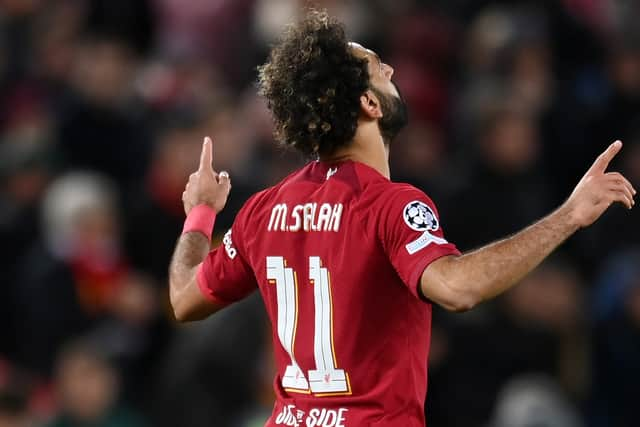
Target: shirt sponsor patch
[{"x": 419, "y": 216}]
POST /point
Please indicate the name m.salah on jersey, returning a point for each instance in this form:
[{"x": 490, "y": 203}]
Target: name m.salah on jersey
[{"x": 306, "y": 217}]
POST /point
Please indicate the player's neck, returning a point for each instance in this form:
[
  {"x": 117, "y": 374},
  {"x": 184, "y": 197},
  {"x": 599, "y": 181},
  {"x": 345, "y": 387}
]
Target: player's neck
[{"x": 366, "y": 147}]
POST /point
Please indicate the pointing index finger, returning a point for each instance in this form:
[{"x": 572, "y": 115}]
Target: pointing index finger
[
  {"x": 603, "y": 160},
  {"x": 206, "y": 157}
]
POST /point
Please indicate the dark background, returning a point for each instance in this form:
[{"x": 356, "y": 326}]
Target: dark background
[{"x": 103, "y": 107}]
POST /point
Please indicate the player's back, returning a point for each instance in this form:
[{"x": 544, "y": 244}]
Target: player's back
[
  {"x": 337, "y": 251},
  {"x": 351, "y": 341}
]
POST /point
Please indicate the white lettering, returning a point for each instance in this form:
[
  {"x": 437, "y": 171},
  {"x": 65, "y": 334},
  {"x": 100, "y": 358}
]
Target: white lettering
[
  {"x": 308, "y": 217},
  {"x": 308, "y": 214},
  {"x": 312, "y": 419},
  {"x": 318, "y": 417},
  {"x": 324, "y": 217},
  {"x": 228, "y": 245},
  {"x": 335, "y": 217},
  {"x": 296, "y": 214},
  {"x": 286, "y": 417},
  {"x": 326, "y": 417},
  {"x": 278, "y": 215}
]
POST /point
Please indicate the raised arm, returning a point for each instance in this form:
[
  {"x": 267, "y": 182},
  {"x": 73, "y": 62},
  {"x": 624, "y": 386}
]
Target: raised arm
[
  {"x": 207, "y": 192},
  {"x": 460, "y": 283}
]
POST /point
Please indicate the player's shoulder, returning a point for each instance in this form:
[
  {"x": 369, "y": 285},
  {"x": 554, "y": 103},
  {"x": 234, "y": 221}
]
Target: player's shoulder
[
  {"x": 394, "y": 201},
  {"x": 391, "y": 193}
]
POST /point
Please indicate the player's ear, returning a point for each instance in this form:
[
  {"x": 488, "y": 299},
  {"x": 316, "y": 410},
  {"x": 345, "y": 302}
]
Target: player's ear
[{"x": 370, "y": 105}]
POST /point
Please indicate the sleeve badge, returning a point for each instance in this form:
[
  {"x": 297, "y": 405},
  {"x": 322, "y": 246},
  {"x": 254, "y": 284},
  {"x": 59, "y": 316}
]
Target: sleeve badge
[{"x": 419, "y": 216}]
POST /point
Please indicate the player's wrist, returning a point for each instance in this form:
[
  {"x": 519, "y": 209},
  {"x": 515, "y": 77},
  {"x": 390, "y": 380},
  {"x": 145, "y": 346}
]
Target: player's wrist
[
  {"x": 569, "y": 217},
  {"x": 201, "y": 219}
]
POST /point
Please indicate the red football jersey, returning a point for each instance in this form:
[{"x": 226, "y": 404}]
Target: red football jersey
[{"x": 337, "y": 251}]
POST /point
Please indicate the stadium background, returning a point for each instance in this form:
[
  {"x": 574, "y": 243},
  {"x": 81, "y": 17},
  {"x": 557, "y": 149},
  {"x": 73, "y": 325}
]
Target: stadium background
[{"x": 103, "y": 106}]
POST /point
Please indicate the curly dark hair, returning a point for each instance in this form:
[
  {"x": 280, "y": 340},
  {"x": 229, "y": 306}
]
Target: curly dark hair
[{"x": 312, "y": 83}]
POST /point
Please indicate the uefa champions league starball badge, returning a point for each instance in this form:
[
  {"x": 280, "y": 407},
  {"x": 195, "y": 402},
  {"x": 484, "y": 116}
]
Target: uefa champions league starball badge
[{"x": 419, "y": 216}]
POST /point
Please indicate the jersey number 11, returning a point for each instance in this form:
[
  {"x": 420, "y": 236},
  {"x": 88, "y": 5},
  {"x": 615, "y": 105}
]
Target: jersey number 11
[{"x": 326, "y": 379}]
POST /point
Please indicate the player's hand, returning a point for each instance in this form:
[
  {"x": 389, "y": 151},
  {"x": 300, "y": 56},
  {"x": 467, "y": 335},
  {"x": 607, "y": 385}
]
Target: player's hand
[
  {"x": 205, "y": 186},
  {"x": 598, "y": 189}
]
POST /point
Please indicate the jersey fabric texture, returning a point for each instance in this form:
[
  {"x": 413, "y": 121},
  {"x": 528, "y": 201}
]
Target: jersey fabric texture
[{"x": 337, "y": 251}]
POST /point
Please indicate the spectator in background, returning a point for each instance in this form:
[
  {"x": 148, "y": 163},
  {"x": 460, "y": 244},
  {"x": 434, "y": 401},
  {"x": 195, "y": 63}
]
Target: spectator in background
[
  {"x": 422, "y": 54},
  {"x": 26, "y": 166},
  {"x": 504, "y": 190},
  {"x": 616, "y": 383},
  {"x": 481, "y": 86},
  {"x": 215, "y": 31},
  {"x": 534, "y": 401},
  {"x": 270, "y": 16},
  {"x": 602, "y": 104},
  {"x": 621, "y": 109},
  {"x": 419, "y": 158},
  {"x": 14, "y": 398},
  {"x": 506, "y": 62},
  {"x": 133, "y": 22},
  {"x": 155, "y": 213},
  {"x": 213, "y": 373},
  {"x": 101, "y": 127},
  {"x": 47, "y": 293},
  {"x": 76, "y": 279},
  {"x": 536, "y": 328},
  {"x": 87, "y": 388}
]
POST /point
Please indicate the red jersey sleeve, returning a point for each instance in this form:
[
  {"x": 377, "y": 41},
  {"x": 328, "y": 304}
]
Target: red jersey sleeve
[
  {"x": 225, "y": 276},
  {"x": 411, "y": 234}
]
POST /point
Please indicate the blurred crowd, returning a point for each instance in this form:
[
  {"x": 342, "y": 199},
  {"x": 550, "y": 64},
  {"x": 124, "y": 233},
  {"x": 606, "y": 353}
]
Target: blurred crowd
[{"x": 103, "y": 107}]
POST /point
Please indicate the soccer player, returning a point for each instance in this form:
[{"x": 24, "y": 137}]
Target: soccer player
[{"x": 348, "y": 262}]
